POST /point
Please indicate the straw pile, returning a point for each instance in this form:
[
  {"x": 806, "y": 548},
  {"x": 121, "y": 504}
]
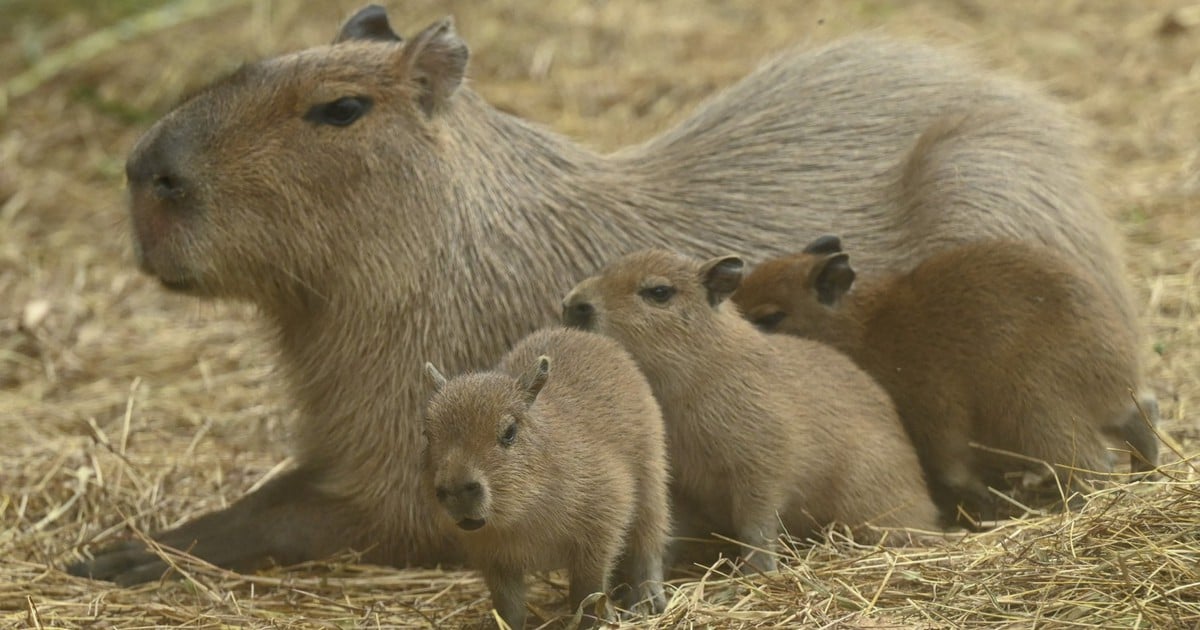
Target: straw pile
[{"x": 122, "y": 407}]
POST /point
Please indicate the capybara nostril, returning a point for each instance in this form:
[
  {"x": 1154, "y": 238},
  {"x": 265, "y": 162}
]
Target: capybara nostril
[
  {"x": 472, "y": 489},
  {"x": 158, "y": 165},
  {"x": 442, "y": 493},
  {"x": 168, "y": 186},
  {"x": 578, "y": 315}
]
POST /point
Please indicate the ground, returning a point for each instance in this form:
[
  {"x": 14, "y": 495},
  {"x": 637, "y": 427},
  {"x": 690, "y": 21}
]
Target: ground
[{"x": 119, "y": 401}]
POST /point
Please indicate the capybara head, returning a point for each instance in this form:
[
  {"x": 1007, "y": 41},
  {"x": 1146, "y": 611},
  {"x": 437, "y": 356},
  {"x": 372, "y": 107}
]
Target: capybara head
[
  {"x": 649, "y": 295},
  {"x": 799, "y": 292},
  {"x": 255, "y": 184},
  {"x": 485, "y": 445}
]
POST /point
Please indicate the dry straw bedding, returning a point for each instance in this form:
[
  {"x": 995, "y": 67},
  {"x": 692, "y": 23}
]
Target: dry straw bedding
[{"x": 123, "y": 406}]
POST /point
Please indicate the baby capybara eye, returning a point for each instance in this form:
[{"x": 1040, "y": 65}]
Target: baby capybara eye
[
  {"x": 340, "y": 113},
  {"x": 769, "y": 322},
  {"x": 659, "y": 294},
  {"x": 509, "y": 437}
]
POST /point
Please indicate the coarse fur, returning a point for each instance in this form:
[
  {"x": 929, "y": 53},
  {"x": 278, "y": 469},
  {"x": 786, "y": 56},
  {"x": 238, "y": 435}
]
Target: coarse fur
[
  {"x": 555, "y": 459},
  {"x": 434, "y": 225},
  {"x": 761, "y": 430},
  {"x": 1003, "y": 343}
]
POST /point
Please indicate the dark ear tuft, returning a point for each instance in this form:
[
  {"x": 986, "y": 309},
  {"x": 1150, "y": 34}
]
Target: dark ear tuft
[
  {"x": 370, "y": 23},
  {"x": 827, "y": 244},
  {"x": 721, "y": 276},
  {"x": 437, "y": 62},
  {"x": 832, "y": 278},
  {"x": 439, "y": 381},
  {"x": 536, "y": 378}
]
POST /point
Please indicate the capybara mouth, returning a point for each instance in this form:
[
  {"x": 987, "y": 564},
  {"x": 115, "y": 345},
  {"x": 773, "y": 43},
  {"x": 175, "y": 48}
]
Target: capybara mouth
[
  {"x": 471, "y": 524},
  {"x": 179, "y": 284}
]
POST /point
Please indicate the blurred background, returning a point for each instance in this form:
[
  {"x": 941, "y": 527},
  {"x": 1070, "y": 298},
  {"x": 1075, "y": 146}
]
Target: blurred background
[{"x": 115, "y": 395}]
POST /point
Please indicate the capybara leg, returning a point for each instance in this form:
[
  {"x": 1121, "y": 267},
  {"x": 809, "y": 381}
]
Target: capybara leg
[
  {"x": 1140, "y": 436},
  {"x": 693, "y": 545},
  {"x": 756, "y": 527},
  {"x": 589, "y": 574},
  {"x": 959, "y": 486},
  {"x": 950, "y": 463},
  {"x": 640, "y": 569},
  {"x": 640, "y": 573},
  {"x": 286, "y": 521},
  {"x": 508, "y": 594},
  {"x": 1076, "y": 448}
]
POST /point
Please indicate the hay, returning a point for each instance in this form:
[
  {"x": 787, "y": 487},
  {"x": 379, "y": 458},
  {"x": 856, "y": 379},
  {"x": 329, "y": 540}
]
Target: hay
[
  {"x": 1129, "y": 558},
  {"x": 123, "y": 407}
]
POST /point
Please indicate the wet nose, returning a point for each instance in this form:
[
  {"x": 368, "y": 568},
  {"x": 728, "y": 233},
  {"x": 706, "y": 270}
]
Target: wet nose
[
  {"x": 578, "y": 314},
  {"x": 156, "y": 167},
  {"x": 468, "y": 492}
]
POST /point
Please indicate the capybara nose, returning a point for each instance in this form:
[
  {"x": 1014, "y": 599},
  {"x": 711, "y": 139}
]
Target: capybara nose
[
  {"x": 155, "y": 167},
  {"x": 471, "y": 490},
  {"x": 167, "y": 186},
  {"x": 467, "y": 493},
  {"x": 578, "y": 314}
]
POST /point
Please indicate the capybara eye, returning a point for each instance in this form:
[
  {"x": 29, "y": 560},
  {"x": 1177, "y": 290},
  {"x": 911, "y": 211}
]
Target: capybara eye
[
  {"x": 769, "y": 322},
  {"x": 659, "y": 294},
  {"x": 339, "y": 113},
  {"x": 509, "y": 436}
]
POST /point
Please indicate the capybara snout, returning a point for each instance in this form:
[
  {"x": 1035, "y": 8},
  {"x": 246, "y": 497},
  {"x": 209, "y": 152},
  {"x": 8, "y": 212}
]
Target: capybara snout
[
  {"x": 577, "y": 312},
  {"x": 465, "y": 499}
]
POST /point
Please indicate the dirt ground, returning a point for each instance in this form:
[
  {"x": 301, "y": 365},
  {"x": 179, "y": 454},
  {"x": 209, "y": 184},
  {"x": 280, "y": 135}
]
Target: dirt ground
[{"x": 120, "y": 403}]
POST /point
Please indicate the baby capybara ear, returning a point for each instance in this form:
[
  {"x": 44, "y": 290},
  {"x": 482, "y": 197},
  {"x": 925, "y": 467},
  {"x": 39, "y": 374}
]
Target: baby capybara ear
[
  {"x": 827, "y": 244},
  {"x": 721, "y": 277},
  {"x": 439, "y": 381},
  {"x": 436, "y": 60},
  {"x": 370, "y": 23},
  {"x": 534, "y": 380},
  {"x": 832, "y": 277}
]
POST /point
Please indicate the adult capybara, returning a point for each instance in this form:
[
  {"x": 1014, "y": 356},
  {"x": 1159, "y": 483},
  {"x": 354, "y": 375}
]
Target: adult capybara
[
  {"x": 763, "y": 431},
  {"x": 1003, "y": 343},
  {"x": 373, "y": 206},
  {"x": 555, "y": 459}
]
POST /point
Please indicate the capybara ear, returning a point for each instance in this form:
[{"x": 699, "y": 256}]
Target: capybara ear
[
  {"x": 721, "y": 277},
  {"x": 370, "y": 23},
  {"x": 437, "y": 61},
  {"x": 831, "y": 278},
  {"x": 439, "y": 381},
  {"x": 827, "y": 244},
  {"x": 535, "y": 379}
]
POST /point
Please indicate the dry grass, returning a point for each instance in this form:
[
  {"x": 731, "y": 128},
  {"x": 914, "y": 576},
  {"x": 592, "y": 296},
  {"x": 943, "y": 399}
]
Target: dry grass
[{"x": 121, "y": 405}]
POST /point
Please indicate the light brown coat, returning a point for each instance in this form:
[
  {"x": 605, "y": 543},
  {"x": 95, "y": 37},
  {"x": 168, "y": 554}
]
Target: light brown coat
[
  {"x": 1002, "y": 343},
  {"x": 554, "y": 459},
  {"x": 762, "y": 431},
  {"x": 374, "y": 206}
]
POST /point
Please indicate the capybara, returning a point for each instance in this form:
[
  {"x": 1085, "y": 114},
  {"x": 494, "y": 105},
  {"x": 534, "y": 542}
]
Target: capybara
[
  {"x": 373, "y": 206},
  {"x": 555, "y": 459},
  {"x": 762, "y": 430},
  {"x": 1003, "y": 343}
]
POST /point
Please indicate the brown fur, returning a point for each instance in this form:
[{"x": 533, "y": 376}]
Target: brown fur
[
  {"x": 760, "y": 430},
  {"x": 1001, "y": 343},
  {"x": 437, "y": 226},
  {"x": 583, "y": 482}
]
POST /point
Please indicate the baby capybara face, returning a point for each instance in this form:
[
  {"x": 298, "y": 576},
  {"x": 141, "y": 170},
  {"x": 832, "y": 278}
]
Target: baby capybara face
[
  {"x": 797, "y": 293},
  {"x": 248, "y": 186},
  {"x": 481, "y": 442},
  {"x": 651, "y": 295}
]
